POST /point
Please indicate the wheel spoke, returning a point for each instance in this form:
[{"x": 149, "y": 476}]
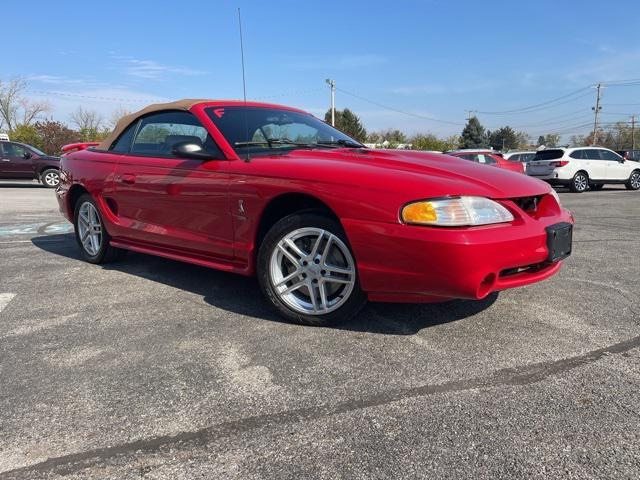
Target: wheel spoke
[
  {"x": 323, "y": 296},
  {"x": 316, "y": 246},
  {"x": 288, "y": 254},
  {"x": 288, "y": 278},
  {"x": 327, "y": 249},
  {"x": 335, "y": 269},
  {"x": 295, "y": 287},
  {"x": 87, "y": 244},
  {"x": 345, "y": 281},
  {"x": 314, "y": 298}
]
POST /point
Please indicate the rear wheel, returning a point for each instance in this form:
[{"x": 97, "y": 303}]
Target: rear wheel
[
  {"x": 307, "y": 271},
  {"x": 50, "y": 178},
  {"x": 93, "y": 239},
  {"x": 579, "y": 182},
  {"x": 634, "y": 181}
]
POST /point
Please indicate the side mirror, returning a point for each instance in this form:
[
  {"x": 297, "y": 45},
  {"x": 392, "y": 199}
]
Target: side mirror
[
  {"x": 192, "y": 150},
  {"x": 27, "y": 155}
]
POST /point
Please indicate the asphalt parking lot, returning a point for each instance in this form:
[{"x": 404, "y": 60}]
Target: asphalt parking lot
[{"x": 151, "y": 368}]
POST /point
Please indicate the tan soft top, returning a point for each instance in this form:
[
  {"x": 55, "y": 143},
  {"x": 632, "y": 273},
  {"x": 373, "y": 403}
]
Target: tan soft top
[{"x": 125, "y": 121}]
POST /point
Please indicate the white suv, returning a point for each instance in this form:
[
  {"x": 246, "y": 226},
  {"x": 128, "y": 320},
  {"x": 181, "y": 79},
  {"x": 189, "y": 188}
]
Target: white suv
[{"x": 583, "y": 167}]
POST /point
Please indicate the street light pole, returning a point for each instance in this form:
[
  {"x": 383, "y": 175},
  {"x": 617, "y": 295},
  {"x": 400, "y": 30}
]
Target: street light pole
[{"x": 332, "y": 84}]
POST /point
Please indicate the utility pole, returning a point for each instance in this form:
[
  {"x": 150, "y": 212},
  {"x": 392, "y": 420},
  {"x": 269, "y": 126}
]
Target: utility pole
[
  {"x": 332, "y": 84},
  {"x": 596, "y": 111},
  {"x": 633, "y": 132},
  {"x": 469, "y": 114}
]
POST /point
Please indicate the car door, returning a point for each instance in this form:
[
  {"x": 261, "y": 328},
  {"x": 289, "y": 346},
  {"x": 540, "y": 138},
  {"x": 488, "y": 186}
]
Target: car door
[
  {"x": 593, "y": 164},
  {"x": 171, "y": 202},
  {"x": 616, "y": 167},
  {"x": 16, "y": 161}
]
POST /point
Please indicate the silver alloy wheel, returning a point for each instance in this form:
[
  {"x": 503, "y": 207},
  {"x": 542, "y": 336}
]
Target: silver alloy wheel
[
  {"x": 635, "y": 181},
  {"x": 89, "y": 228},
  {"x": 52, "y": 179},
  {"x": 312, "y": 271},
  {"x": 580, "y": 182}
]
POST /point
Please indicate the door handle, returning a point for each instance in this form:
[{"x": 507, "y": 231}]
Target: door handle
[
  {"x": 6, "y": 159},
  {"x": 128, "y": 178}
]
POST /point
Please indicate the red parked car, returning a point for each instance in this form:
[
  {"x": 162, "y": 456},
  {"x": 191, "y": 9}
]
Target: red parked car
[
  {"x": 324, "y": 223},
  {"x": 488, "y": 157}
]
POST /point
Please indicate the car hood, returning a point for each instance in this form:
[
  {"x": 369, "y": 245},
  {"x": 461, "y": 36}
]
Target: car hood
[{"x": 413, "y": 171}]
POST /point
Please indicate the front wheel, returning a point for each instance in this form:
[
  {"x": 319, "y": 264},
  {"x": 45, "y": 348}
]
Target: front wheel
[
  {"x": 93, "y": 239},
  {"x": 50, "y": 178},
  {"x": 634, "y": 181},
  {"x": 580, "y": 182},
  {"x": 307, "y": 271}
]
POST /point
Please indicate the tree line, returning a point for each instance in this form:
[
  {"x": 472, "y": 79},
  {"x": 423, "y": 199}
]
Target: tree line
[{"x": 474, "y": 135}]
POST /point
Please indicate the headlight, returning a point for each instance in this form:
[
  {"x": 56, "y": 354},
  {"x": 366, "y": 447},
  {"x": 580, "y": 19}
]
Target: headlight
[
  {"x": 455, "y": 212},
  {"x": 555, "y": 195}
]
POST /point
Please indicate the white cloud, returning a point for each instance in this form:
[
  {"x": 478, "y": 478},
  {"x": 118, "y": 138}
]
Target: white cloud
[{"x": 149, "y": 69}]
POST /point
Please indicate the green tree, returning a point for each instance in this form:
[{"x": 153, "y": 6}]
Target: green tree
[
  {"x": 26, "y": 134},
  {"x": 349, "y": 123},
  {"x": 549, "y": 140},
  {"x": 504, "y": 138},
  {"x": 474, "y": 135},
  {"x": 394, "y": 137},
  {"x": 428, "y": 141}
]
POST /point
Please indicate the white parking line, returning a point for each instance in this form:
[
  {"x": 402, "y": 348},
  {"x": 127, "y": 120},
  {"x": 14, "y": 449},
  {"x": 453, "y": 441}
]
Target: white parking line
[{"x": 5, "y": 298}]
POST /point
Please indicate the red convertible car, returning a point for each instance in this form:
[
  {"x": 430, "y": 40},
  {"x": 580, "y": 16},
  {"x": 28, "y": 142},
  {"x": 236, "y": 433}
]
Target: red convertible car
[
  {"x": 323, "y": 222},
  {"x": 487, "y": 157}
]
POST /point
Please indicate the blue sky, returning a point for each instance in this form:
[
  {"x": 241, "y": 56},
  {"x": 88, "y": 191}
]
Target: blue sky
[{"x": 431, "y": 58}]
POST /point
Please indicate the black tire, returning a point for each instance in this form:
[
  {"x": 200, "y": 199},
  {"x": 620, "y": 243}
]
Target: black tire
[
  {"x": 343, "y": 313},
  {"x": 634, "y": 181},
  {"x": 50, "y": 177},
  {"x": 596, "y": 186},
  {"x": 106, "y": 253},
  {"x": 579, "y": 182}
]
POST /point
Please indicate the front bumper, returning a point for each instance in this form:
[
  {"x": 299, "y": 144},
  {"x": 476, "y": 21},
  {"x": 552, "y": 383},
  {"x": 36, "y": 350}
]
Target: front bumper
[{"x": 404, "y": 263}]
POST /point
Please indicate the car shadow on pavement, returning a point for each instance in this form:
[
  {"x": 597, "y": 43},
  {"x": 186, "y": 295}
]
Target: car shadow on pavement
[{"x": 241, "y": 295}]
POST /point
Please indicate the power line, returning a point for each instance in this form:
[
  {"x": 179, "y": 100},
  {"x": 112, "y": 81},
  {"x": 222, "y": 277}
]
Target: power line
[
  {"x": 397, "y": 110},
  {"x": 537, "y": 105}
]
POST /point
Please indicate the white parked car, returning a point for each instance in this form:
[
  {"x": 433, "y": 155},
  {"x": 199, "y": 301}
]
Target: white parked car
[
  {"x": 583, "y": 167},
  {"x": 524, "y": 157}
]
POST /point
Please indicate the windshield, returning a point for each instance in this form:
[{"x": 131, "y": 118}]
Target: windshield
[{"x": 260, "y": 130}]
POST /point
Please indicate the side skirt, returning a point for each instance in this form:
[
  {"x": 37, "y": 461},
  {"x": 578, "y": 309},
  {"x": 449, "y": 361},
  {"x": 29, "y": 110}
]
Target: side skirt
[{"x": 226, "y": 266}]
